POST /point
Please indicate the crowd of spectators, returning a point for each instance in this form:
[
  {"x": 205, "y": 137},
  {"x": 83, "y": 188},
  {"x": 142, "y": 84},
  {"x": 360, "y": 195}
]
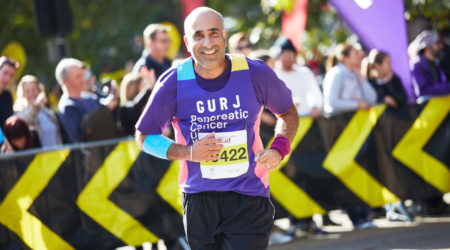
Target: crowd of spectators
[{"x": 88, "y": 110}]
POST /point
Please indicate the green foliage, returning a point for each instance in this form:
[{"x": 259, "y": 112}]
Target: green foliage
[
  {"x": 105, "y": 32},
  {"x": 436, "y": 11}
]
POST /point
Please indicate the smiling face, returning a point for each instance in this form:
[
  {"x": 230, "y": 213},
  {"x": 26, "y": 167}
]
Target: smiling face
[
  {"x": 206, "y": 40},
  {"x": 30, "y": 91}
]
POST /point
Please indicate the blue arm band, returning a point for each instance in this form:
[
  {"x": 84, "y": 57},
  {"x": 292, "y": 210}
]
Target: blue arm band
[
  {"x": 2, "y": 137},
  {"x": 157, "y": 145}
]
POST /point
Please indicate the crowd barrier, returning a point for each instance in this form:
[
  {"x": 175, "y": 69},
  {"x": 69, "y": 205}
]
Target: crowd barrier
[{"x": 106, "y": 194}]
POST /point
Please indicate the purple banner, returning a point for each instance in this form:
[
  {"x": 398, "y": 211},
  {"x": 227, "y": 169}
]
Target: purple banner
[{"x": 380, "y": 24}]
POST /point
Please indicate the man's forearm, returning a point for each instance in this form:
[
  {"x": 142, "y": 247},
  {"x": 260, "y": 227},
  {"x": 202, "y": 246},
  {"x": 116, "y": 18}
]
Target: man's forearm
[
  {"x": 178, "y": 152},
  {"x": 287, "y": 124}
]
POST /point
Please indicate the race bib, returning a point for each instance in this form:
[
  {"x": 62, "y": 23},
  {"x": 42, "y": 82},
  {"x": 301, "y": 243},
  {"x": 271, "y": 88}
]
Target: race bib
[{"x": 233, "y": 160}]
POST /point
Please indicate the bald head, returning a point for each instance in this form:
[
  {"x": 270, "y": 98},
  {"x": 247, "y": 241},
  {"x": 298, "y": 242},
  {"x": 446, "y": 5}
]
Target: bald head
[
  {"x": 206, "y": 39},
  {"x": 197, "y": 14}
]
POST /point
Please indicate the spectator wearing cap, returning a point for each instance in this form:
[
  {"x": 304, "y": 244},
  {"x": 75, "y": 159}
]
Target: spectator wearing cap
[
  {"x": 239, "y": 44},
  {"x": 157, "y": 44},
  {"x": 307, "y": 98},
  {"x": 428, "y": 78},
  {"x": 299, "y": 79},
  {"x": 8, "y": 69}
]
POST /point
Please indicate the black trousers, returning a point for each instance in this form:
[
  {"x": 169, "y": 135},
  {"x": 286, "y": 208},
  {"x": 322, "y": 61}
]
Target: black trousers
[{"x": 227, "y": 220}]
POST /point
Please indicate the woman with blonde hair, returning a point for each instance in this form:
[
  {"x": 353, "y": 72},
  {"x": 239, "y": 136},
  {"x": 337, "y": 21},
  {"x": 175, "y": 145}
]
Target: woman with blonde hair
[{"x": 31, "y": 107}]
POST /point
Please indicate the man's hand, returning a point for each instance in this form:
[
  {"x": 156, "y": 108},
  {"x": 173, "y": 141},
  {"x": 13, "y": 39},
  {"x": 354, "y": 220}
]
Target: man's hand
[
  {"x": 206, "y": 149},
  {"x": 269, "y": 158}
]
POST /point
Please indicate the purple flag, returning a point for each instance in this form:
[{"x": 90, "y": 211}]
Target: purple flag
[{"x": 380, "y": 24}]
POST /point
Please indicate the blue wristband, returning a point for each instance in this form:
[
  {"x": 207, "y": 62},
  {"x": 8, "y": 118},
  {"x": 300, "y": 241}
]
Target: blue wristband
[{"x": 157, "y": 145}]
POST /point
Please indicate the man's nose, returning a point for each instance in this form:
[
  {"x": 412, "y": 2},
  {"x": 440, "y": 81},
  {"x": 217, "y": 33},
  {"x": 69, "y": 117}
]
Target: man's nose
[{"x": 207, "y": 41}]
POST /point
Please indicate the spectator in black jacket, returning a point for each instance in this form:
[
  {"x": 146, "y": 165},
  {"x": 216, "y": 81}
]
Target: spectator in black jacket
[{"x": 378, "y": 69}]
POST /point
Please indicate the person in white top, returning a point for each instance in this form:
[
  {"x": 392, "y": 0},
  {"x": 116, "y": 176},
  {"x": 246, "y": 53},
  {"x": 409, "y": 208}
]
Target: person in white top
[
  {"x": 308, "y": 100},
  {"x": 344, "y": 88},
  {"x": 300, "y": 80}
]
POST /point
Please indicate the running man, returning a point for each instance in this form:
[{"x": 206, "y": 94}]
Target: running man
[{"x": 214, "y": 101}]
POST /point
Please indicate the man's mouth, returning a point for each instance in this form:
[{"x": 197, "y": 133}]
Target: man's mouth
[{"x": 209, "y": 51}]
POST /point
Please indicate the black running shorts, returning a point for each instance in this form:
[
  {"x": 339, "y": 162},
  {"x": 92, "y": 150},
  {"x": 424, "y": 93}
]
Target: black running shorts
[{"x": 227, "y": 220}]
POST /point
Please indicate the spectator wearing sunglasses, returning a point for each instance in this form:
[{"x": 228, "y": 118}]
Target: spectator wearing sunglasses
[
  {"x": 239, "y": 44},
  {"x": 8, "y": 69}
]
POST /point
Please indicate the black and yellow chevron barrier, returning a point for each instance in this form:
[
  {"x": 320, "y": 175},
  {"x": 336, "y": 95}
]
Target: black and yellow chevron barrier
[{"x": 101, "y": 196}]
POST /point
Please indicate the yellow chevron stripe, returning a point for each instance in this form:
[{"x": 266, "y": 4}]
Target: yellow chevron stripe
[
  {"x": 93, "y": 200},
  {"x": 340, "y": 159},
  {"x": 409, "y": 150},
  {"x": 285, "y": 191},
  {"x": 13, "y": 210},
  {"x": 168, "y": 187}
]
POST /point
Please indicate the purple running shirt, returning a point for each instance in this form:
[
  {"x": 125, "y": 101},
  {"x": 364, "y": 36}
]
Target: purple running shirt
[{"x": 231, "y": 106}]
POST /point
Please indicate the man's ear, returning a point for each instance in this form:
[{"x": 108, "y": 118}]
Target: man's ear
[
  {"x": 186, "y": 43},
  {"x": 225, "y": 35}
]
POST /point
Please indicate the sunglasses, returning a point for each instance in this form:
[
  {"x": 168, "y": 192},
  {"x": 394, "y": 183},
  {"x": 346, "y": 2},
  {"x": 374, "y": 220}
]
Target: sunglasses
[{"x": 6, "y": 60}]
